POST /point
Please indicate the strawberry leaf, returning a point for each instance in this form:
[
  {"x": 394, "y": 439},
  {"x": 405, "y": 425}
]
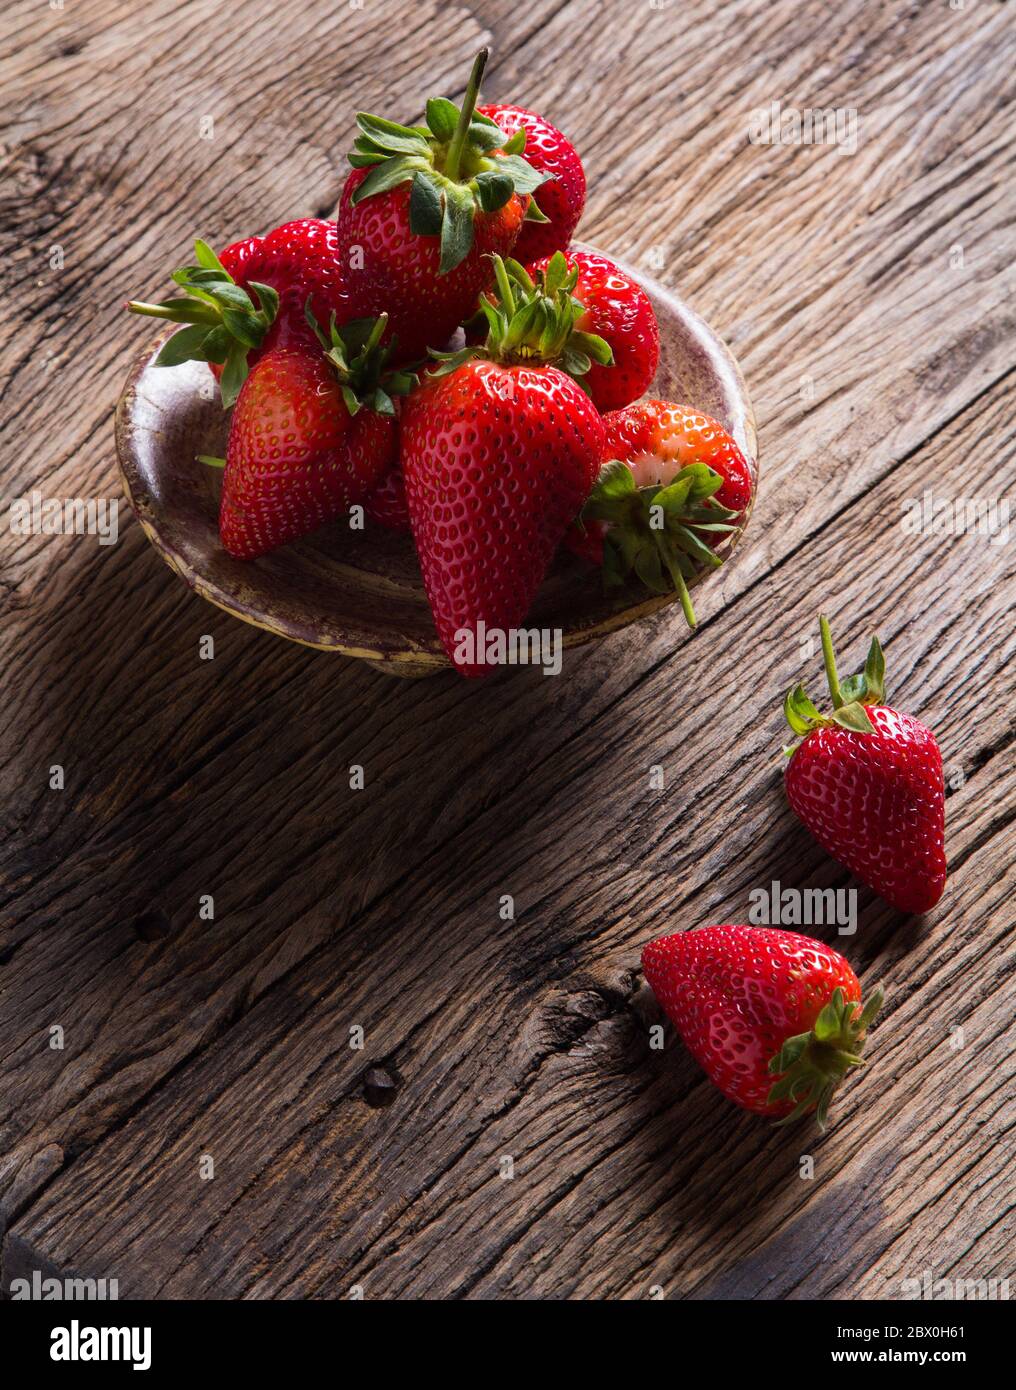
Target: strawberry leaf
[
  {"x": 184, "y": 346},
  {"x": 456, "y": 228},
  {"x": 853, "y": 717},
  {"x": 442, "y": 118},
  {"x": 493, "y": 190},
  {"x": 425, "y": 210},
  {"x": 234, "y": 374},
  {"x": 388, "y": 136},
  {"x": 874, "y": 673}
]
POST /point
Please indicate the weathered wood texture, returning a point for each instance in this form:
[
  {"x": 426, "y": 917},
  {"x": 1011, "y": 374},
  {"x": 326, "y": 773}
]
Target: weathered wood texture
[{"x": 868, "y": 297}]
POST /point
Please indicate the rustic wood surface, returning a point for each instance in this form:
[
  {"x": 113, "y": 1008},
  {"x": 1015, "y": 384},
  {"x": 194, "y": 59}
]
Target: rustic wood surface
[{"x": 868, "y": 298}]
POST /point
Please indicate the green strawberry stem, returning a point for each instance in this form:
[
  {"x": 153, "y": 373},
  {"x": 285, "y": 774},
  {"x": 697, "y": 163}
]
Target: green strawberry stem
[
  {"x": 849, "y": 697},
  {"x": 504, "y": 286},
  {"x": 222, "y": 322},
  {"x": 810, "y": 1066},
  {"x": 533, "y": 323},
  {"x": 195, "y": 313},
  {"x": 667, "y": 556},
  {"x": 360, "y": 363},
  {"x": 458, "y": 140},
  {"x": 655, "y": 533},
  {"x": 829, "y": 658}
]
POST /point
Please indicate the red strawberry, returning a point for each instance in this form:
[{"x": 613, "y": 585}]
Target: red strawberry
[
  {"x": 386, "y": 505},
  {"x": 499, "y": 451},
  {"x": 657, "y": 438},
  {"x": 563, "y": 197},
  {"x": 673, "y": 486},
  {"x": 295, "y": 264},
  {"x": 423, "y": 211},
  {"x": 301, "y": 260},
  {"x": 619, "y": 311},
  {"x": 867, "y": 782},
  {"x": 774, "y": 1018},
  {"x": 242, "y": 259},
  {"x": 312, "y": 433}
]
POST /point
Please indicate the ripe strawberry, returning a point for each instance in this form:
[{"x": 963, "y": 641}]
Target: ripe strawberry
[
  {"x": 301, "y": 261},
  {"x": 774, "y": 1018},
  {"x": 867, "y": 782},
  {"x": 562, "y": 198},
  {"x": 672, "y": 488},
  {"x": 423, "y": 210},
  {"x": 386, "y": 505},
  {"x": 294, "y": 264},
  {"x": 499, "y": 451},
  {"x": 312, "y": 433},
  {"x": 619, "y": 311},
  {"x": 242, "y": 259}
]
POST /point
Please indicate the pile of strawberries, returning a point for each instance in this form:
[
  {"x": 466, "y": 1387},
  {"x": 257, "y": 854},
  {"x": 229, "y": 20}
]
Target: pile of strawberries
[{"x": 441, "y": 356}]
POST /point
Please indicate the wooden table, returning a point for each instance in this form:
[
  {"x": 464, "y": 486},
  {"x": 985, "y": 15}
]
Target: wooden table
[{"x": 506, "y": 1129}]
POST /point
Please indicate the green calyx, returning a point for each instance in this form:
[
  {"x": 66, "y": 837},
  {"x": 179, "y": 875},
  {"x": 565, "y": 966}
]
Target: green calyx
[
  {"x": 849, "y": 697},
  {"x": 533, "y": 323},
  {"x": 811, "y": 1065},
  {"x": 658, "y": 533},
  {"x": 361, "y": 363},
  {"x": 460, "y": 165},
  {"x": 224, "y": 322}
]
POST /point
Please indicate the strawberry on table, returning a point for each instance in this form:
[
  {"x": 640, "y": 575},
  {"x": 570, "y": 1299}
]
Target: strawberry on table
[
  {"x": 424, "y": 209},
  {"x": 562, "y": 197},
  {"x": 313, "y": 432},
  {"x": 619, "y": 311},
  {"x": 775, "y": 1019},
  {"x": 867, "y": 782},
  {"x": 499, "y": 451},
  {"x": 673, "y": 486}
]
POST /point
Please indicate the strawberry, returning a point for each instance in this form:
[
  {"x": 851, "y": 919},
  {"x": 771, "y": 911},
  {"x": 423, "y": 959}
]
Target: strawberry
[
  {"x": 312, "y": 433},
  {"x": 673, "y": 486},
  {"x": 499, "y": 450},
  {"x": 386, "y": 505},
  {"x": 242, "y": 259},
  {"x": 294, "y": 264},
  {"x": 774, "y": 1018},
  {"x": 562, "y": 197},
  {"x": 867, "y": 782},
  {"x": 423, "y": 210},
  {"x": 619, "y": 311},
  {"x": 301, "y": 260}
]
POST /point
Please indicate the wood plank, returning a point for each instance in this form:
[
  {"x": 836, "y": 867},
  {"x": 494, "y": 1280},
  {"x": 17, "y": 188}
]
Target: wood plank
[
  {"x": 188, "y": 777},
  {"x": 529, "y": 1039}
]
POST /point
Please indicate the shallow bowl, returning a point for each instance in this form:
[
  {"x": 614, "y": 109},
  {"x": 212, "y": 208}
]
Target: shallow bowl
[{"x": 360, "y": 593}]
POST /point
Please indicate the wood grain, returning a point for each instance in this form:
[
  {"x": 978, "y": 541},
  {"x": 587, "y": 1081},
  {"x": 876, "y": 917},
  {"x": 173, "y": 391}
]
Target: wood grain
[{"x": 877, "y": 358}]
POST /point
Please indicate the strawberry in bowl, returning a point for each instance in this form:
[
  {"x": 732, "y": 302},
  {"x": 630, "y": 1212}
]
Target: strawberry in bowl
[
  {"x": 618, "y": 310},
  {"x": 251, "y": 299},
  {"x": 424, "y": 210},
  {"x": 674, "y": 488},
  {"x": 500, "y": 447},
  {"x": 562, "y": 197},
  {"x": 333, "y": 505}
]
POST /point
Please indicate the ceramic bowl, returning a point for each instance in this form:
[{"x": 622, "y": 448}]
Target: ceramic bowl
[{"x": 360, "y": 593}]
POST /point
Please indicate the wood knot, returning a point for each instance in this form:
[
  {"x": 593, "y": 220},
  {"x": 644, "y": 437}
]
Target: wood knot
[
  {"x": 380, "y": 1086},
  {"x": 152, "y": 926}
]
